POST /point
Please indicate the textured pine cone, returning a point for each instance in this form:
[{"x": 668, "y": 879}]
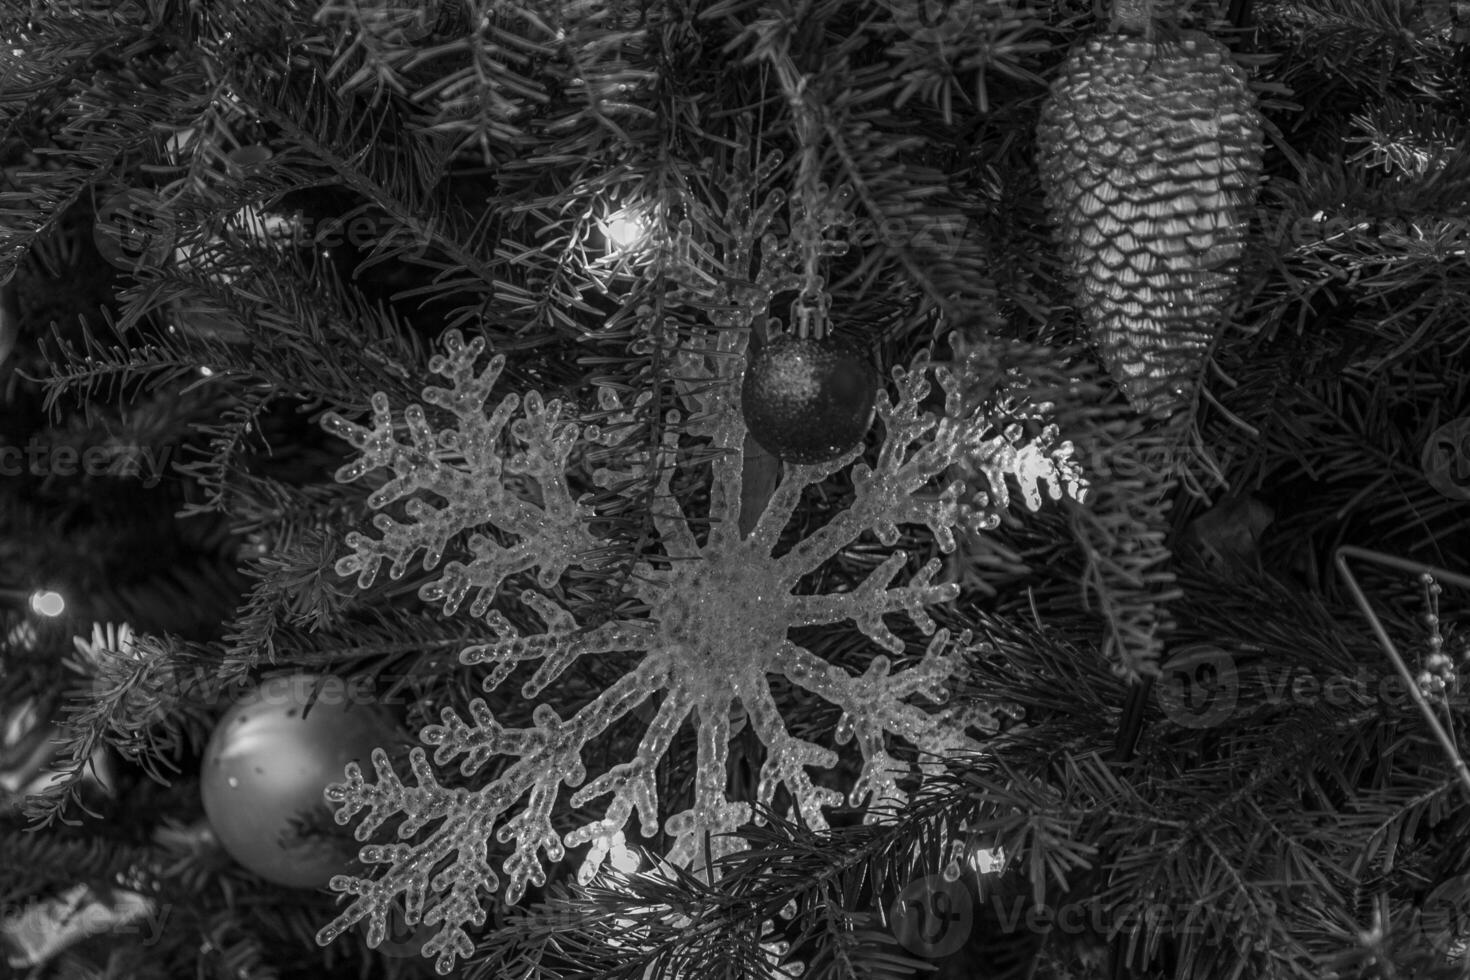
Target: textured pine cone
[{"x": 1150, "y": 155}]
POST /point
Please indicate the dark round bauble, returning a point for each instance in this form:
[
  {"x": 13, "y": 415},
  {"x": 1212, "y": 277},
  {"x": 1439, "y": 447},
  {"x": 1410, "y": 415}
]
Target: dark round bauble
[
  {"x": 808, "y": 401},
  {"x": 267, "y": 765}
]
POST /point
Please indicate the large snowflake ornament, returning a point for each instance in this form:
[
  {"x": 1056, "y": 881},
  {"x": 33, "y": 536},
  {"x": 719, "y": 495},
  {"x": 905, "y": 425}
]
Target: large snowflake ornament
[{"x": 713, "y": 629}]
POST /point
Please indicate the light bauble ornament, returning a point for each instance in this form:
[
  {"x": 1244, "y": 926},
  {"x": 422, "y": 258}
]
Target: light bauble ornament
[
  {"x": 267, "y": 765},
  {"x": 808, "y": 401}
]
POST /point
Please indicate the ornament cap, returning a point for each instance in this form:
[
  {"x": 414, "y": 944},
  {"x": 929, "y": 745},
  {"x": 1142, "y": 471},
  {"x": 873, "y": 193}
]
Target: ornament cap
[
  {"x": 1131, "y": 17},
  {"x": 1140, "y": 17}
]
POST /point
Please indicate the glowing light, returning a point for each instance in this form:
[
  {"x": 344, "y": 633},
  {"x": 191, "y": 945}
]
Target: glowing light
[
  {"x": 623, "y": 857},
  {"x": 47, "y": 603},
  {"x": 613, "y": 849},
  {"x": 984, "y": 860},
  {"x": 207, "y": 372},
  {"x": 624, "y": 230}
]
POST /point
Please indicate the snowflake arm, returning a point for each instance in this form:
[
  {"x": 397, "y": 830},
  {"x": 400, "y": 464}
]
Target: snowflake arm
[
  {"x": 713, "y": 816},
  {"x": 465, "y": 468},
  {"x": 873, "y": 599},
  {"x": 631, "y": 783},
  {"x": 409, "y": 864},
  {"x": 788, "y": 757},
  {"x": 875, "y": 704},
  {"x": 557, "y": 647},
  {"x": 1043, "y": 462},
  {"x": 916, "y": 449},
  {"x": 548, "y": 754}
]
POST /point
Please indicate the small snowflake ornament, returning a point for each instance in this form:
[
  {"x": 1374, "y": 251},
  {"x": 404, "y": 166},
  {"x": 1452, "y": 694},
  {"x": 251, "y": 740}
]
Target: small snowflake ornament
[{"x": 714, "y": 630}]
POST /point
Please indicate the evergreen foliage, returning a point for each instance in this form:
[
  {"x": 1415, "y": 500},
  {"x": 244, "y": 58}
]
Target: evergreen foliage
[{"x": 870, "y": 162}]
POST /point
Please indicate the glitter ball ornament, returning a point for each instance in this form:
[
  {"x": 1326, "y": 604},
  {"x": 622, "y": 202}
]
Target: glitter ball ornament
[
  {"x": 808, "y": 401},
  {"x": 1150, "y": 155},
  {"x": 267, "y": 765}
]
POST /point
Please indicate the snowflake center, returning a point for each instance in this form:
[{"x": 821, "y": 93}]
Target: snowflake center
[{"x": 721, "y": 618}]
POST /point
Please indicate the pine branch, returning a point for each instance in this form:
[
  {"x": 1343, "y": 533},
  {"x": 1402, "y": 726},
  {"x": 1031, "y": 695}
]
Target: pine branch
[
  {"x": 109, "y": 121},
  {"x": 681, "y": 923},
  {"x": 38, "y": 864},
  {"x": 1251, "y": 827},
  {"x": 145, "y": 702}
]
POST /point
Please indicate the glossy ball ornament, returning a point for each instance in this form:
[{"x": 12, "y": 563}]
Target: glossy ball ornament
[
  {"x": 808, "y": 401},
  {"x": 269, "y": 762}
]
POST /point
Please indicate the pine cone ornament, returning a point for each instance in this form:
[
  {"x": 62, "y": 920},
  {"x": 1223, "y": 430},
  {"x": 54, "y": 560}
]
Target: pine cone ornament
[{"x": 1150, "y": 154}]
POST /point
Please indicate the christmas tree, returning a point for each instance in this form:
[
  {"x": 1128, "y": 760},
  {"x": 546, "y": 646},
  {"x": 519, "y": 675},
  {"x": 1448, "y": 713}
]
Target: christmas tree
[{"x": 841, "y": 488}]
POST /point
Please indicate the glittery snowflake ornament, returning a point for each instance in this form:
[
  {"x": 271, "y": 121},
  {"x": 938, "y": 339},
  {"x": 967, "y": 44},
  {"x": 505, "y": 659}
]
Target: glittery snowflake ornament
[{"x": 715, "y": 631}]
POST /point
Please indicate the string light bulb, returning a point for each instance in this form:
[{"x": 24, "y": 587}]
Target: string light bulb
[
  {"x": 613, "y": 850},
  {"x": 621, "y": 856},
  {"x": 987, "y": 860},
  {"x": 624, "y": 229},
  {"x": 47, "y": 602}
]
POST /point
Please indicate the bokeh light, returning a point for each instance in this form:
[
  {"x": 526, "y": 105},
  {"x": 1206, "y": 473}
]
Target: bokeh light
[{"x": 46, "y": 602}]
